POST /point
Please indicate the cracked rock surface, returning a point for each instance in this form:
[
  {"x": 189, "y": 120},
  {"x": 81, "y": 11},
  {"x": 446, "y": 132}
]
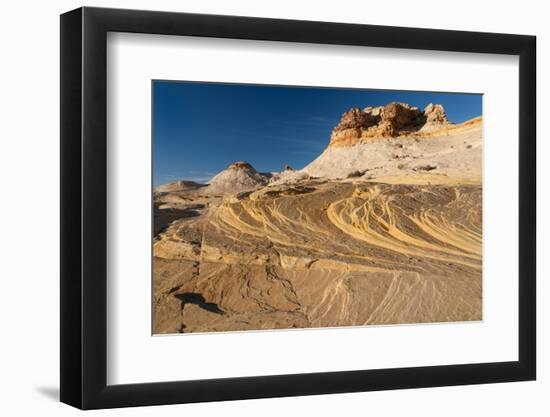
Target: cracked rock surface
[{"x": 323, "y": 254}]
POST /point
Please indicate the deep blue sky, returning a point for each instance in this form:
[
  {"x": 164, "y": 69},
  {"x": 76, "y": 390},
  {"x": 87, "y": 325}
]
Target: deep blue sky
[{"x": 200, "y": 128}]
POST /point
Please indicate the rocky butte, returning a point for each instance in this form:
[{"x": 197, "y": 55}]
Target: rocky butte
[
  {"x": 395, "y": 119},
  {"x": 398, "y": 140},
  {"x": 384, "y": 227}
]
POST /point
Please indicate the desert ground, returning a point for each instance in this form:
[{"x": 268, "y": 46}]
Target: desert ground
[{"x": 384, "y": 227}]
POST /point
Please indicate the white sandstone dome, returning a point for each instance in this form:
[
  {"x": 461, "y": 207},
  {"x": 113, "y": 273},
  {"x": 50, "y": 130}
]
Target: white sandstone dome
[{"x": 238, "y": 177}]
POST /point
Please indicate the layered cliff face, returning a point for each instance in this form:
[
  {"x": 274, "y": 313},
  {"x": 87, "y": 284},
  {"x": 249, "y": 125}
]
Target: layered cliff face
[{"x": 384, "y": 227}]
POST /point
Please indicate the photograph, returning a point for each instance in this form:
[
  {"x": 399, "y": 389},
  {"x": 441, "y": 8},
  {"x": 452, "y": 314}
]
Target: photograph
[
  {"x": 293, "y": 207},
  {"x": 267, "y": 208}
]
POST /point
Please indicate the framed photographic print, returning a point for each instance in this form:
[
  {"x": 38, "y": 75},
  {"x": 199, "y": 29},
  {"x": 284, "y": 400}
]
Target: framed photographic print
[{"x": 258, "y": 207}]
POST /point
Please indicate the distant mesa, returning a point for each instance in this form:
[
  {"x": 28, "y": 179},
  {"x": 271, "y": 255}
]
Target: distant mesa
[
  {"x": 394, "y": 119},
  {"x": 239, "y": 176},
  {"x": 180, "y": 185}
]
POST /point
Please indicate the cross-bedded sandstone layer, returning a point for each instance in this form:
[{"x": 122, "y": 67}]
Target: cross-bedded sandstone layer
[{"x": 323, "y": 254}]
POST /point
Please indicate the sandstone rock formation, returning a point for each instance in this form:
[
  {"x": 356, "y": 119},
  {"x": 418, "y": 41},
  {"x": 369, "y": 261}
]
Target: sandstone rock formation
[
  {"x": 239, "y": 176},
  {"x": 236, "y": 166},
  {"x": 397, "y": 139},
  {"x": 322, "y": 254},
  {"x": 392, "y": 120},
  {"x": 435, "y": 115}
]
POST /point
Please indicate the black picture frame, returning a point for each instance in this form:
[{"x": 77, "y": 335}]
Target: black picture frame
[{"x": 84, "y": 207}]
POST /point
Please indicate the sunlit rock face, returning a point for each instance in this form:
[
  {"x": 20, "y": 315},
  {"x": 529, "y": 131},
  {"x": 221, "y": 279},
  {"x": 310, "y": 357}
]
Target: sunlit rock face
[
  {"x": 392, "y": 120},
  {"x": 384, "y": 227},
  {"x": 444, "y": 149},
  {"x": 435, "y": 115}
]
